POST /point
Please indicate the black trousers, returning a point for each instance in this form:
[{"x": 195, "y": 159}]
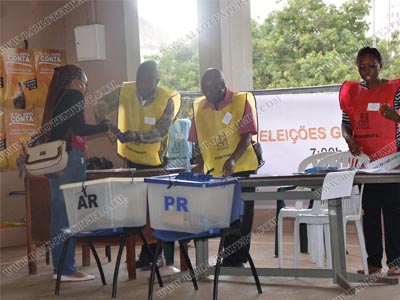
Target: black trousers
[
  {"x": 245, "y": 224},
  {"x": 378, "y": 200}
]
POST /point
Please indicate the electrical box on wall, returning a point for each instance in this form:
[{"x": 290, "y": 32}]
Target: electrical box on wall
[{"x": 90, "y": 42}]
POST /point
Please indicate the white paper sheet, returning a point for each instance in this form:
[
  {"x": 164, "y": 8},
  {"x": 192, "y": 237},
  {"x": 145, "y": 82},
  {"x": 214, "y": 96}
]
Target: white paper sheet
[
  {"x": 386, "y": 163},
  {"x": 337, "y": 185},
  {"x": 377, "y": 171}
]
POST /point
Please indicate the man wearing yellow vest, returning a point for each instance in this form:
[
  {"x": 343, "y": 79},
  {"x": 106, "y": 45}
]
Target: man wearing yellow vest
[
  {"x": 223, "y": 125},
  {"x": 145, "y": 114}
]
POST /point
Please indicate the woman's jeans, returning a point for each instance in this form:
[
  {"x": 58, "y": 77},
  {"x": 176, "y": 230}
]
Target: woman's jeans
[{"x": 74, "y": 172}]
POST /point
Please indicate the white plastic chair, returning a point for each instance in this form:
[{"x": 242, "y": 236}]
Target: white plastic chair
[
  {"x": 294, "y": 211},
  {"x": 344, "y": 160},
  {"x": 317, "y": 219},
  {"x": 351, "y": 210}
]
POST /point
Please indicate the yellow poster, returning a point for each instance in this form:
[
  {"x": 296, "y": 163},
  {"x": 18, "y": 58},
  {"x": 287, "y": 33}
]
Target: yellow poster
[
  {"x": 20, "y": 125},
  {"x": 45, "y": 62},
  {"x": 1, "y": 82},
  {"x": 3, "y": 157},
  {"x": 19, "y": 78}
]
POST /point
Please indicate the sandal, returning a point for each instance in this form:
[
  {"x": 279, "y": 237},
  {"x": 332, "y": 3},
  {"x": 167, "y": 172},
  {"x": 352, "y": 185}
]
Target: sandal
[
  {"x": 371, "y": 270},
  {"x": 393, "y": 271}
]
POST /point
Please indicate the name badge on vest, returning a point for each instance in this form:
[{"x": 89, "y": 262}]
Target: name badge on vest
[
  {"x": 227, "y": 118},
  {"x": 149, "y": 120},
  {"x": 179, "y": 136},
  {"x": 373, "y": 106}
]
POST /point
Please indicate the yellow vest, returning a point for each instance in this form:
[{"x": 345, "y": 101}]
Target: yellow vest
[
  {"x": 135, "y": 117},
  {"x": 218, "y": 134}
]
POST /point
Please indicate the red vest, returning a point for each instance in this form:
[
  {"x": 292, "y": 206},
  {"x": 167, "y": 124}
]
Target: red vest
[{"x": 375, "y": 133}]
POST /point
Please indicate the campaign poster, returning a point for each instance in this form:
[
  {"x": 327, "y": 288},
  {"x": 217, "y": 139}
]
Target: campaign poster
[
  {"x": 20, "y": 125},
  {"x": 1, "y": 82},
  {"x": 46, "y": 60},
  {"x": 19, "y": 78},
  {"x": 3, "y": 156}
]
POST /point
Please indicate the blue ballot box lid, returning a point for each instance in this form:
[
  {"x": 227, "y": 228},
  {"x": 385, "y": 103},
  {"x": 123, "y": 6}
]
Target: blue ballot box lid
[
  {"x": 191, "y": 180},
  {"x": 193, "y": 203}
]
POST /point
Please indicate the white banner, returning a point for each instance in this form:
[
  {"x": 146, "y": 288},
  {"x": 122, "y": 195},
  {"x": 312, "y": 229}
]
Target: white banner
[{"x": 294, "y": 126}]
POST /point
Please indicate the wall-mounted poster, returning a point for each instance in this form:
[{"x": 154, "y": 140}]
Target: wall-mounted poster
[
  {"x": 3, "y": 157},
  {"x": 20, "y": 125},
  {"x": 45, "y": 62},
  {"x": 1, "y": 82},
  {"x": 19, "y": 78}
]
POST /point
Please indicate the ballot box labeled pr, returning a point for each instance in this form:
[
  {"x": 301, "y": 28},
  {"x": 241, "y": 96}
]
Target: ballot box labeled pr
[{"x": 190, "y": 203}]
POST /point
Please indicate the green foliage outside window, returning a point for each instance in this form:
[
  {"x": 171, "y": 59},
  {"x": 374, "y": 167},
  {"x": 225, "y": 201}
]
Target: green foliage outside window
[{"x": 307, "y": 43}]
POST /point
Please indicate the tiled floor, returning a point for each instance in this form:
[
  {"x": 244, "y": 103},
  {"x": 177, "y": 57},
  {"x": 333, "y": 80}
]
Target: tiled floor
[{"x": 22, "y": 286}]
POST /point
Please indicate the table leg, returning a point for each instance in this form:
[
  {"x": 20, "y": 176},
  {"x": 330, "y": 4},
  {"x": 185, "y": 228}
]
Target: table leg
[
  {"x": 32, "y": 263},
  {"x": 202, "y": 255},
  {"x": 30, "y": 245},
  {"x": 131, "y": 257},
  {"x": 183, "y": 266},
  {"x": 85, "y": 255},
  {"x": 337, "y": 242}
]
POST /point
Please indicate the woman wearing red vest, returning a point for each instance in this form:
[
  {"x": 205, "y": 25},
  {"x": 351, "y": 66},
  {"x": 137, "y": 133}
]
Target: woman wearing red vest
[{"x": 371, "y": 125}]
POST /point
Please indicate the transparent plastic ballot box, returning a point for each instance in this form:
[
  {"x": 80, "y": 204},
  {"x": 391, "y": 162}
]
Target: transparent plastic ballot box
[
  {"x": 191, "y": 205},
  {"x": 106, "y": 203}
]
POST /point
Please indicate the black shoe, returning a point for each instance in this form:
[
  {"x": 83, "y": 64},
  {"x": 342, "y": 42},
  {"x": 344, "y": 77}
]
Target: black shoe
[
  {"x": 233, "y": 264},
  {"x": 146, "y": 264},
  {"x": 140, "y": 263}
]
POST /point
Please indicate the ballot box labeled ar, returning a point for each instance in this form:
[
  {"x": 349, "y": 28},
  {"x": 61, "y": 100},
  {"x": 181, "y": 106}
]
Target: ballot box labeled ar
[
  {"x": 106, "y": 203},
  {"x": 190, "y": 203}
]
